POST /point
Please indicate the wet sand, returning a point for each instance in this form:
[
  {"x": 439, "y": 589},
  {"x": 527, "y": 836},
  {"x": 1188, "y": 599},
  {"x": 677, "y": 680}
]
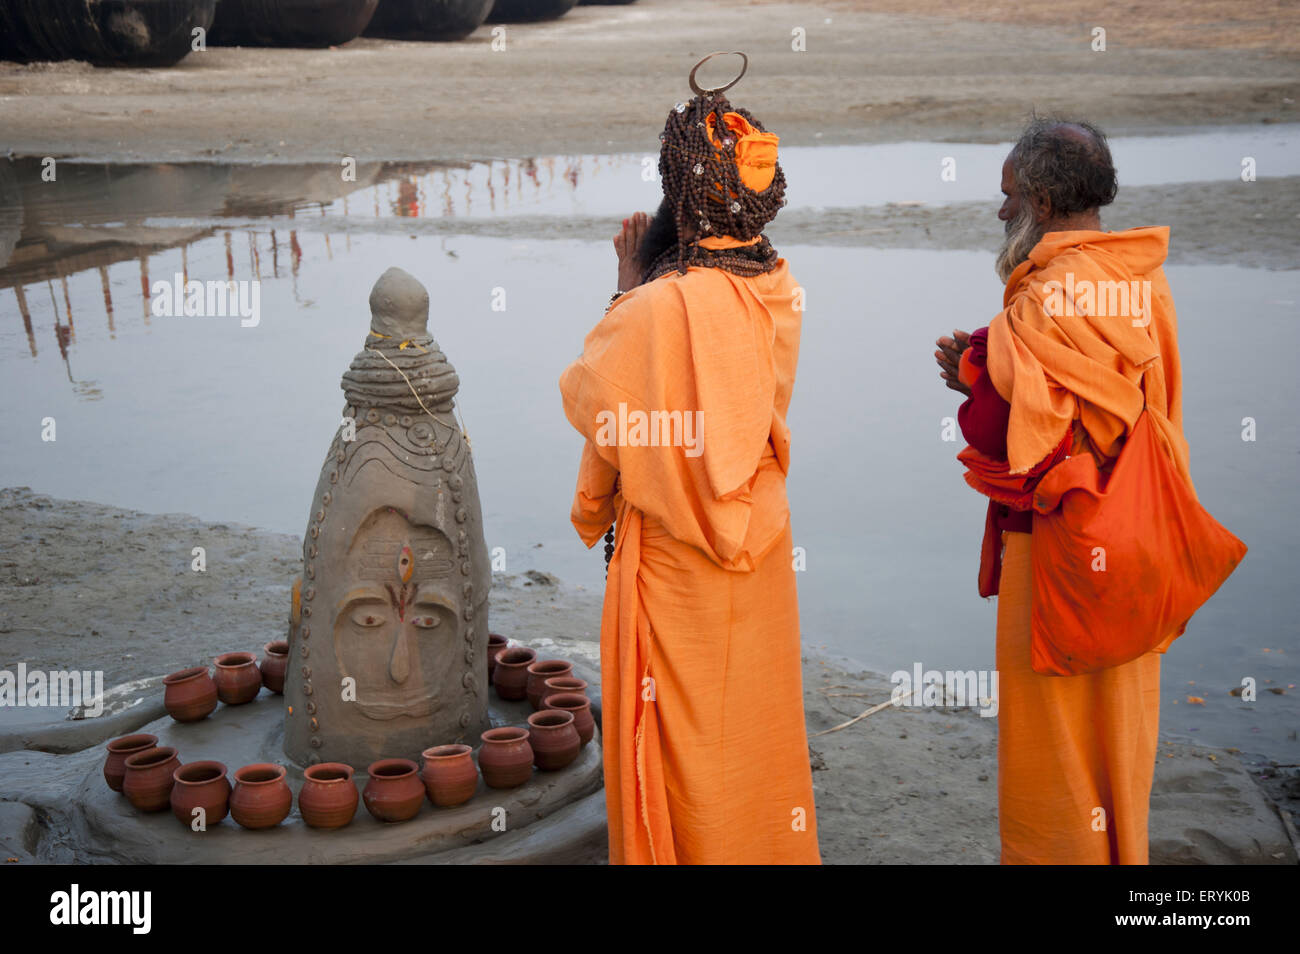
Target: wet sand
[
  {"x": 600, "y": 80},
  {"x": 88, "y": 586}
]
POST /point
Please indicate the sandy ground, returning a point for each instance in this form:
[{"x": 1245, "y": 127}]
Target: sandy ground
[
  {"x": 88, "y": 586},
  {"x": 601, "y": 78}
]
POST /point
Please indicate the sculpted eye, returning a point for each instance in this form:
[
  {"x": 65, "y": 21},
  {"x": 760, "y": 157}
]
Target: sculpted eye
[
  {"x": 425, "y": 622},
  {"x": 368, "y": 618}
]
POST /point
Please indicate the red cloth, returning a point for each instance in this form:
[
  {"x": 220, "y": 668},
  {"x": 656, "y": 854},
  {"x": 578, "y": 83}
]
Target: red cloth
[{"x": 983, "y": 418}]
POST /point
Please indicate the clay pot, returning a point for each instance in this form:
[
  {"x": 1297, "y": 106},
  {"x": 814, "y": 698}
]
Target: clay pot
[
  {"x": 238, "y": 679},
  {"x": 274, "y": 664},
  {"x": 580, "y": 706},
  {"x": 511, "y": 675},
  {"x": 328, "y": 798},
  {"x": 496, "y": 643},
  {"x": 554, "y": 739},
  {"x": 450, "y": 776},
  {"x": 118, "y": 750},
  {"x": 539, "y": 672},
  {"x": 190, "y": 695},
  {"x": 563, "y": 684},
  {"x": 261, "y": 798},
  {"x": 395, "y": 791},
  {"x": 200, "y": 785},
  {"x": 148, "y": 781},
  {"x": 506, "y": 757}
]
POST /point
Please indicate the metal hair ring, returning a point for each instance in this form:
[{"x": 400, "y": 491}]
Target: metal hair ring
[{"x": 721, "y": 89}]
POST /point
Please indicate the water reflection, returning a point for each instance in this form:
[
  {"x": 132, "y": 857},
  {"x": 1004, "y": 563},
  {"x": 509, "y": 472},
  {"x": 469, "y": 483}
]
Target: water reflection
[
  {"x": 203, "y": 417},
  {"x": 96, "y": 217}
]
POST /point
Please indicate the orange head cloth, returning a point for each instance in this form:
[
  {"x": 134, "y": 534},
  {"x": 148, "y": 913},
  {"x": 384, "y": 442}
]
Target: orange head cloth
[{"x": 754, "y": 150}]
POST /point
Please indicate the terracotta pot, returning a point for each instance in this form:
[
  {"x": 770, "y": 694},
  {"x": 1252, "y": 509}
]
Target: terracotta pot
[
  {"x": 238, "y": 679},
  {"x": 539, "y": 672},
  {"x": 148, "y": 782},
  {"x": 328, "y": 798},
  {"x": 511, "y": 675},
  {"x": 496, "y": 643},
  {"x": 554, "y": 739},
  {"x": 200, "y": 785},
  {"x": 118, "y": 750},
  {"x": 395, "y": 791},
  {"x": 261, "y": 798},
  {"x": 274, "y": 663},
  {"x": 506, "y": 757},
  {"x": 190, "y": 695},
  {"x": 450, "y": 775},
  {"x": 580, "y": 706},
  {"x": 563, "y": 684}
]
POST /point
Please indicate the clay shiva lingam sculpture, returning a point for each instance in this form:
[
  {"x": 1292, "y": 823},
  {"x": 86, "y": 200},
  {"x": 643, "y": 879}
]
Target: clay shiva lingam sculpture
[{"x": 388, "y": 634}]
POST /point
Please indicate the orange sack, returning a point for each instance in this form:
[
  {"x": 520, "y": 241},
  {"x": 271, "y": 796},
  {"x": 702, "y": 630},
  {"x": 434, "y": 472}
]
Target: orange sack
[{"x": 706, "y": 754}]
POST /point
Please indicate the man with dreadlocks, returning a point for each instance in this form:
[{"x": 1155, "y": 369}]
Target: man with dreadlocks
[
  {"x": 1048, "y": 380},
  {"x": 706, "y": 755}
]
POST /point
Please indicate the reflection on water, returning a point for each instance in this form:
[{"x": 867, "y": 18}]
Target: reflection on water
[{"x": 201, "y": 415}]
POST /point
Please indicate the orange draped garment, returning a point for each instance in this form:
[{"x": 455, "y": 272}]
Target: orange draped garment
[
  {"x": 1076, "y": 754},
  {"x": 706, "y": 754}
]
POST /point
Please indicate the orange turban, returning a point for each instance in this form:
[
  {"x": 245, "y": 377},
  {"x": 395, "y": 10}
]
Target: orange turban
[{"x": 755, "y": 151}]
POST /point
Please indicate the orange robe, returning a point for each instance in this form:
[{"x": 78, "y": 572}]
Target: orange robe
[
  {"x": 706, "y": 754},
  {"x": 1076, "y": 754}
]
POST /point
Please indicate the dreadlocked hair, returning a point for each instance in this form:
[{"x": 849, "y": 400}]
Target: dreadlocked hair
[{"x": 702, "y": 182}]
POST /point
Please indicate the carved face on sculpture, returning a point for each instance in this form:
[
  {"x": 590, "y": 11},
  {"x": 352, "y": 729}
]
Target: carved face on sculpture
[
  {"x": 388, "y": 637},
  {"x": 396, "y": 632}
]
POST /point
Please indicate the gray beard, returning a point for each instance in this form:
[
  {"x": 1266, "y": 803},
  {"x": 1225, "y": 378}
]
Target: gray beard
[{"x": 1022, "y": 234}]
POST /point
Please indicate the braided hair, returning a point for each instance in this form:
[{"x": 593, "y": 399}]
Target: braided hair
[{"x": 702, "y": 184}]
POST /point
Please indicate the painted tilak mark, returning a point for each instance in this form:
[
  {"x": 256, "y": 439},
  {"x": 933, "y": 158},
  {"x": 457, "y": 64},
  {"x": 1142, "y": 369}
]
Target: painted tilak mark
[{"x": 400, "y": 598}]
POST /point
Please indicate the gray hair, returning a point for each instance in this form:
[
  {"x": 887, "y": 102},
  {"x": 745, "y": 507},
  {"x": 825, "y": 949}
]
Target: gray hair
[{"x": 1065, "y": 162}]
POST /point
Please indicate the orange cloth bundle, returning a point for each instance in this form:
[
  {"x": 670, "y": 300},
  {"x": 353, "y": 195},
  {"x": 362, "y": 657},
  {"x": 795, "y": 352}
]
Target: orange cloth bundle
[{"x": 755, "y": 151}]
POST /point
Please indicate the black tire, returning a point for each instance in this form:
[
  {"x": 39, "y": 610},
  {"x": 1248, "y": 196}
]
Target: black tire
[
  {"x": 526, "y": 11},
  {"x": 137, "y": 33},
  {"x": 307, "y": 23},
  {"x": 428, "y": 19}
]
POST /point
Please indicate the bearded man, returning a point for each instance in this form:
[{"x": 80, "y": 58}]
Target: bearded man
[
  {"x": 681, "y": 393},
  {"x": 1055, "y": 376}
]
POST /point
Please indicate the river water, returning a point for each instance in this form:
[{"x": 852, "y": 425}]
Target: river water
[{"x": 207, "y": 416}]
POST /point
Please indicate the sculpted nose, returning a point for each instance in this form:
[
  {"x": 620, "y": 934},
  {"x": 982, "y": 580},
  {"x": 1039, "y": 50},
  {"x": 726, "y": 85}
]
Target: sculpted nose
[{"x": 399, "y": 662}]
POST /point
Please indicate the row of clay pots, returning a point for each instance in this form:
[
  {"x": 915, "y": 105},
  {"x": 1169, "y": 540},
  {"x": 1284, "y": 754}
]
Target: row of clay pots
[
  {"x": 152, "y": 777},
  {"x": 516, "y": 673},
  {"x": 551, "y": 742},
  {"x": 192, "y": 694}
]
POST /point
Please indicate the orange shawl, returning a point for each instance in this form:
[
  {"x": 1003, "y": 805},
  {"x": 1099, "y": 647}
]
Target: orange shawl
[
  {"x": 733, "y": 361},
  {"x": 1084, "y": 362}
]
